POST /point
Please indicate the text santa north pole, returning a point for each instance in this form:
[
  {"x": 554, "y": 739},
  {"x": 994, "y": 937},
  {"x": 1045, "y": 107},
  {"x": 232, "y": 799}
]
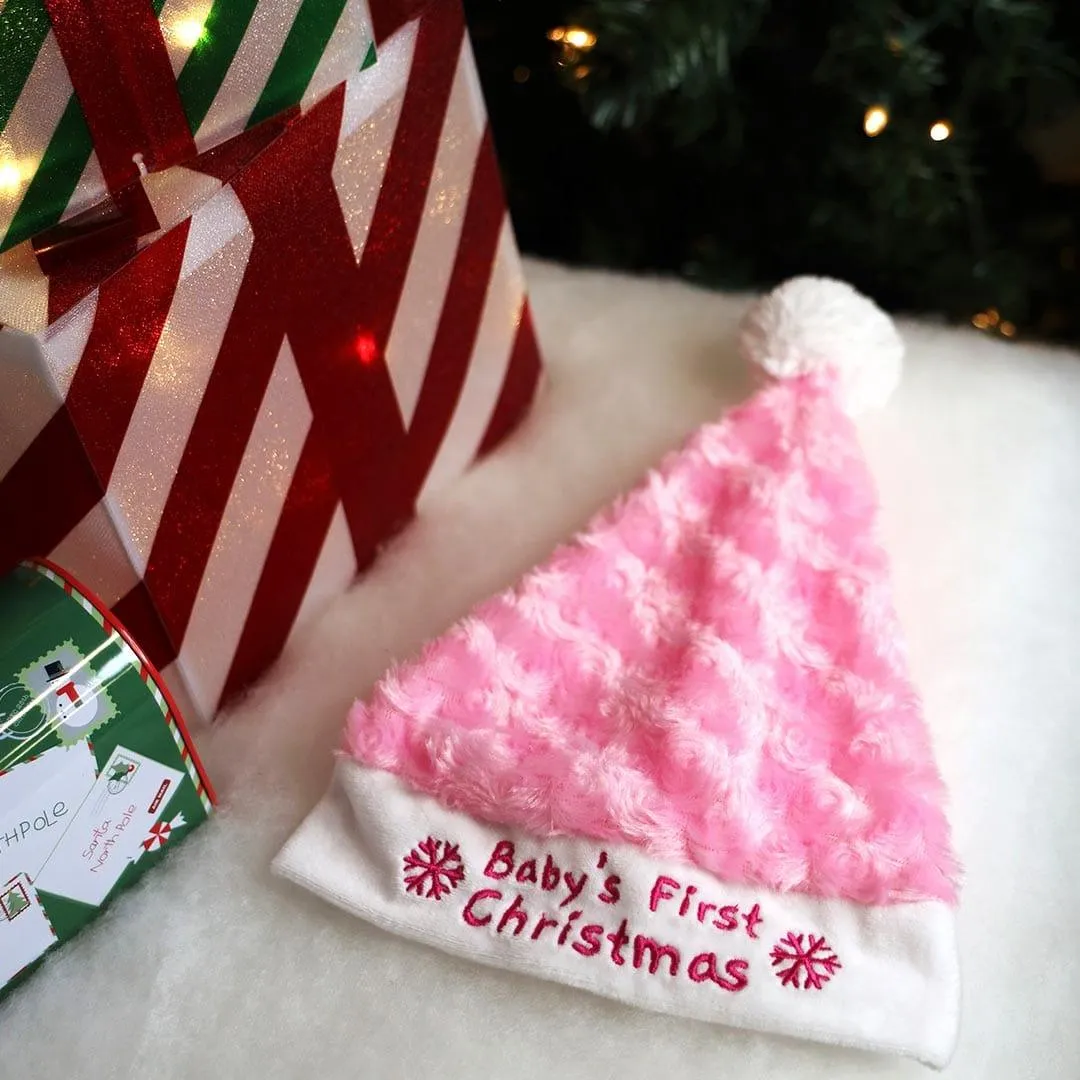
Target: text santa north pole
[{"x": 531, "y": 898}]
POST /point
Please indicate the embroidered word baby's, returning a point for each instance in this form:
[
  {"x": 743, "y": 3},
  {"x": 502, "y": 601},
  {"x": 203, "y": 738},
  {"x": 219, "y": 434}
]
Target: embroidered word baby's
[{"x": 549, "y": 876}]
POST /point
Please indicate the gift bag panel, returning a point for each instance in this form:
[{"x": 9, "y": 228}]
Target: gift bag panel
[{"x": 260, "y": 397}]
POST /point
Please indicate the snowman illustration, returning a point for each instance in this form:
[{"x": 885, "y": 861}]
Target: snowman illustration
[
  {"x": 72, "y": 703},
  {"x": 69, "y": 696}
]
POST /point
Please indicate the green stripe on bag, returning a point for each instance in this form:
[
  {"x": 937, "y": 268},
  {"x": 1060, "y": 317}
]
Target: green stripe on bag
[
  {"x": 54, "y": 183},
  {"x": 300, "y": 56},
  {"x": 207, "y": 65},
  {"x": 24, "y": 26}
]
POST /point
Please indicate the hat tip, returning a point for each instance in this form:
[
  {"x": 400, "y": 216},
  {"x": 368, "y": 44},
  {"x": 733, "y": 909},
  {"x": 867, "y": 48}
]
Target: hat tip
[{"x": 810, "y": 324}]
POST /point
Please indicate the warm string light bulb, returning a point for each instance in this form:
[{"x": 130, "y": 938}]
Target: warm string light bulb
[
  {"x": 189, "y": 31},
  {"x": 574, "y": 40},
  {"x": 579, "y": 38},
  {"x": 991, "y": 319},
  {"x": 875, "y": 120},
  {"x": 10, "y": 178},
  {"x": 576, "y": 37}
]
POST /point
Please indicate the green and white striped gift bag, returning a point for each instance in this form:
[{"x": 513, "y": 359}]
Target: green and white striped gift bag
[{"x": 233, "y": 64}]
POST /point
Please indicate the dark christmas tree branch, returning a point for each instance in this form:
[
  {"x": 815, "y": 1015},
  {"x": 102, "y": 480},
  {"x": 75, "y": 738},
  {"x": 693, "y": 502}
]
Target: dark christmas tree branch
[{"x": 927, "y": 150}]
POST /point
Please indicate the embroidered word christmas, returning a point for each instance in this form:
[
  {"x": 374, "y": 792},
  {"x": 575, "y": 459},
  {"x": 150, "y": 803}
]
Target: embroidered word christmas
[{"x": 540, "y": 901}]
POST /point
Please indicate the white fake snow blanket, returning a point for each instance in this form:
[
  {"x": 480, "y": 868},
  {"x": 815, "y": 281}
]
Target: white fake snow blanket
[{"x": 212, "y": 967}]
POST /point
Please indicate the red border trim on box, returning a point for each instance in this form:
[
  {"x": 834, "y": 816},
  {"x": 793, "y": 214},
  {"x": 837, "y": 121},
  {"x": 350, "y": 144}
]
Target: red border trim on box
[{"x": 159, "y": 681}]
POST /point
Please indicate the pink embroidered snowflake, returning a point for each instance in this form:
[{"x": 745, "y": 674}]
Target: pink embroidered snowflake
[
  {"x": 435, "y": 864},
  {"x": 815, "y": 961}
]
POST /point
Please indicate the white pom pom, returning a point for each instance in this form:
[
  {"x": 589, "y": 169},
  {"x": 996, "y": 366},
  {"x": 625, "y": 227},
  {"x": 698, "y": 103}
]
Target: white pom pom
[{"x": 810, "y": 323}]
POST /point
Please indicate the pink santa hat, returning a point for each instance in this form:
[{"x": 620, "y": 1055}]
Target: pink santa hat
[{"x": 682, "y": 764}]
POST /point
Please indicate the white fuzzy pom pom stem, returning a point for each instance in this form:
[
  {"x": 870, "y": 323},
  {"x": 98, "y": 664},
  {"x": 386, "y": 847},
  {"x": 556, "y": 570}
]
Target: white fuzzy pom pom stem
[{"x": 812, "y": 323}]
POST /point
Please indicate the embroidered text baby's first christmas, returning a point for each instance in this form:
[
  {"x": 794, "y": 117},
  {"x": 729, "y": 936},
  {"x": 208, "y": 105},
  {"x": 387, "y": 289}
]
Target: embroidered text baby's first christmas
[{"x": 510, "y": 910}]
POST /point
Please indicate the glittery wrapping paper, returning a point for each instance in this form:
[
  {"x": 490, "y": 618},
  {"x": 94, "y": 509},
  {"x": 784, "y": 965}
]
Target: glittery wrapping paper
[
  {"x": 94, "y": 93},
  {"x": 263, "y": 394}
]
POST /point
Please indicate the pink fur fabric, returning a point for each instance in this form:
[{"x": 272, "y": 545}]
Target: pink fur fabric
[{"x": 713, "y": 671}]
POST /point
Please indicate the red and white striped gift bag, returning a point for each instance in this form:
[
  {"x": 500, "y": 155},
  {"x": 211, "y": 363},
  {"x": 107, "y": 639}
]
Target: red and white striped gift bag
[{"x": 220, "y": 434}]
